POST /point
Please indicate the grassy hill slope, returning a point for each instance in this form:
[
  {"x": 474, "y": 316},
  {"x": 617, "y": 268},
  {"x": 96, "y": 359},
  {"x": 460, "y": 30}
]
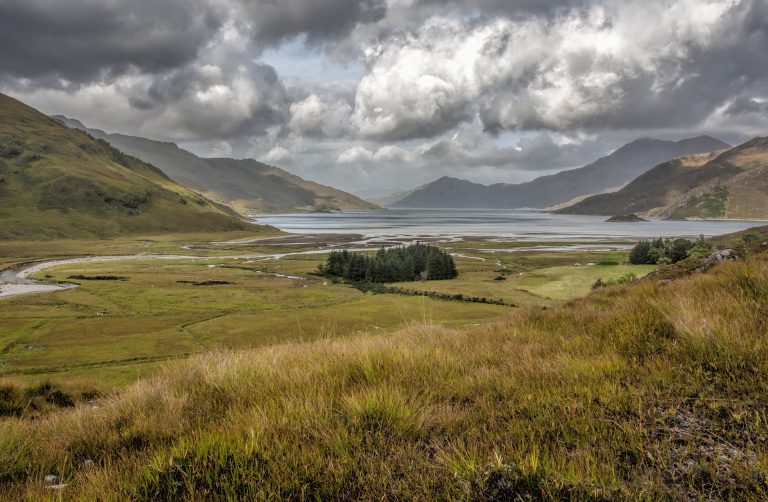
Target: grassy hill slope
[
  {"x": 737, "y": 187},
  {"x": 730, "y": 184},
  {"x": 246, "y": 185},
  {"x": 59, "y": 182},
  {"x": 651, "y": 391}
]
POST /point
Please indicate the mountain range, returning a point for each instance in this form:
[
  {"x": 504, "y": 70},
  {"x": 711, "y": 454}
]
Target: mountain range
[
  {"x": 726, "y": 184},
  {"x": 60, "y": 179},
  {"x": 248, "y": 186},
  {"x": 58, "y": 182},
  {"x": 607, "y": 173}
]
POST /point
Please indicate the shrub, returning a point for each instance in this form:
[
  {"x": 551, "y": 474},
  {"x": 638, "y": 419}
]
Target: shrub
[
  {"x": 10, "y": 151},
  {"x": 28, "y": 158},
  {"x": 81, "y": 277},
  {"x": 639, "y": 253},
  {"x": 624, "y": 279},
  {"x": 700, "y": 248},
  {"x": 664, "y": 251}
]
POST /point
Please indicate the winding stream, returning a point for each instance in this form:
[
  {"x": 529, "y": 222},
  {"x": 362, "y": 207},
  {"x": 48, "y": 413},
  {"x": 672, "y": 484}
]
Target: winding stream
[{"x": 15, "y": 281}]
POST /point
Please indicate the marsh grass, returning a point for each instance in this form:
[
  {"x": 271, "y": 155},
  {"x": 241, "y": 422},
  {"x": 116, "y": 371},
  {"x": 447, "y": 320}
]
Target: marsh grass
[{"x": 644, "y": 391}]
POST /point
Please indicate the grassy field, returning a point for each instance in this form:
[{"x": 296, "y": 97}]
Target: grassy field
[
  {"x": 643, "y": 392},
  {"x": 108, "y": 333},
  {"x": 531, "y": 277},
  {"x": 565, "y": 283},
  {"x": 542, "y": 286},
  {"x": 170, "y": 309}
]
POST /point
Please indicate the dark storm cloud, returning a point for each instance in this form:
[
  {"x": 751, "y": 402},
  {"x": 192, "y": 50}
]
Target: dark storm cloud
[
  {"x": 272, "y": 21},
  {"x": 745, "y": 105},
  {"x": 83, "y": 40},
  {"x": 237, "y": 98},
  {"x": 503, "y": 7}
]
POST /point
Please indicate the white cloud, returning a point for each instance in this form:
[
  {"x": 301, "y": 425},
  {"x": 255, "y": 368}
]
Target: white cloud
[
  {"x": 222, "y": 149},
  {"x": 315, "y": 117},
  {"x": 580, "y": 68},
  {"x": 276, "y": 155},
  {"x": 392, "y": 154},
  {"x": 355, "y": 154}
]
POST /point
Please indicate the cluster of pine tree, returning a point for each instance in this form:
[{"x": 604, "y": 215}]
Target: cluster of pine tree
[
  {"x": 407, "y": 263},
  {"x": 664, "y": 251}
]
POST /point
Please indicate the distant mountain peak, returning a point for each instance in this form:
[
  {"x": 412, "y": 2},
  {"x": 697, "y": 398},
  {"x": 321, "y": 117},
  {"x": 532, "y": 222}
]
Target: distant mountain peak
[
  {"x": 607, "y": 173},
  {"x": 705, "y": 140},
  {"x": 703, "y": 137},
  {"x": 724, "y": 184},
  {"x": 645, "y": 140},
  {"x": 247, "y": 185},
  {"x": 452, "y": 180}
]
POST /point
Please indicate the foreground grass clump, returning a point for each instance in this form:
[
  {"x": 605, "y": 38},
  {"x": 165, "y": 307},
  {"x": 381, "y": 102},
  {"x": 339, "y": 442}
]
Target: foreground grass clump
[
  {"x": 36, "y": 400},
  {"x": 644, "y": 391}
]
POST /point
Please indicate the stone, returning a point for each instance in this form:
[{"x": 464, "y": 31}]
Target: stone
[{"x": 717, "y": 257}]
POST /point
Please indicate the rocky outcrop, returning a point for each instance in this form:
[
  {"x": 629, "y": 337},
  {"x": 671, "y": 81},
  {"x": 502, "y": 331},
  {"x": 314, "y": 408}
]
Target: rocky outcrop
[
  {"x": 719, "y": 256},
  {"x": 625, "y": 218}
]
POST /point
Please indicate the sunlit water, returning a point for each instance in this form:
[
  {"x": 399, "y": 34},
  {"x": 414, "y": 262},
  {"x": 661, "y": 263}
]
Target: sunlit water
[{"x": 509, "y": 224}]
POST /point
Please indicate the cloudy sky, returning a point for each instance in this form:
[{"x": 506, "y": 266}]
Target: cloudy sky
[{"x": 381, "y": 95}]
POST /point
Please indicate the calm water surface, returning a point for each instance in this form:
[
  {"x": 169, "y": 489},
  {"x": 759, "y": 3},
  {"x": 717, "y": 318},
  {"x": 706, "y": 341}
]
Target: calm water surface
[{"x": 511, "y": 224}]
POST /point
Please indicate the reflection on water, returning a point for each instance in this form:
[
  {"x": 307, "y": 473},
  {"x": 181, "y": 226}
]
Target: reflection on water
[{"x": 511, "y": 224}]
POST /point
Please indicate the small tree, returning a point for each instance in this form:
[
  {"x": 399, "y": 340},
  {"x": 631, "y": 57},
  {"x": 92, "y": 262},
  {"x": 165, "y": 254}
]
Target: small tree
[
  {"x": 357, "y": 268},
  {"x": 639, "y": 253},
  {"x": 700, "y": 248},
  {"x": 678, "y": 250}
]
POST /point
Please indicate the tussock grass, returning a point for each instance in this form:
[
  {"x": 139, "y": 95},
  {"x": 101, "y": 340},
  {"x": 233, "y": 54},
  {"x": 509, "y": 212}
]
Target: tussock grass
[{"x": 644, "y": 391}]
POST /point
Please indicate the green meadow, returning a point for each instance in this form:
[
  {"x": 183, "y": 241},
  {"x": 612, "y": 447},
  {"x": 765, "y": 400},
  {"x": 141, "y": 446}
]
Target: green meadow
[
  {"x": 111, "y": 332},
  {"x": 532, "y": 277},
  {"x": 163, "y": 310}
]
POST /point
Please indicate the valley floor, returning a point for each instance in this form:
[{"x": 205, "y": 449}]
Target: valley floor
[
  {"x": 141, "y": 303},
  {"x": 647, "y": 391}
]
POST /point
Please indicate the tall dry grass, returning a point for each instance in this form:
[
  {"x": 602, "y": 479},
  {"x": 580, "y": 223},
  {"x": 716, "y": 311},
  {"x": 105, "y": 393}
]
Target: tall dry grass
[{"x": 643, "y": 392}]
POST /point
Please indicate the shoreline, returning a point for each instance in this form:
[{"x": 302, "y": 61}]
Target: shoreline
[{"x": 15, "y": 281}]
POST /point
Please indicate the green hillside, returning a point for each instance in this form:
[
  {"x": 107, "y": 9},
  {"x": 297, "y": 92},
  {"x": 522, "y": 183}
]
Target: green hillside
[
  {"x": 737, "y": 187},
  {"x": 729, "y": 184},
  {"x": 60, "y": 182},
  {"x": 246, "y": 185}
]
